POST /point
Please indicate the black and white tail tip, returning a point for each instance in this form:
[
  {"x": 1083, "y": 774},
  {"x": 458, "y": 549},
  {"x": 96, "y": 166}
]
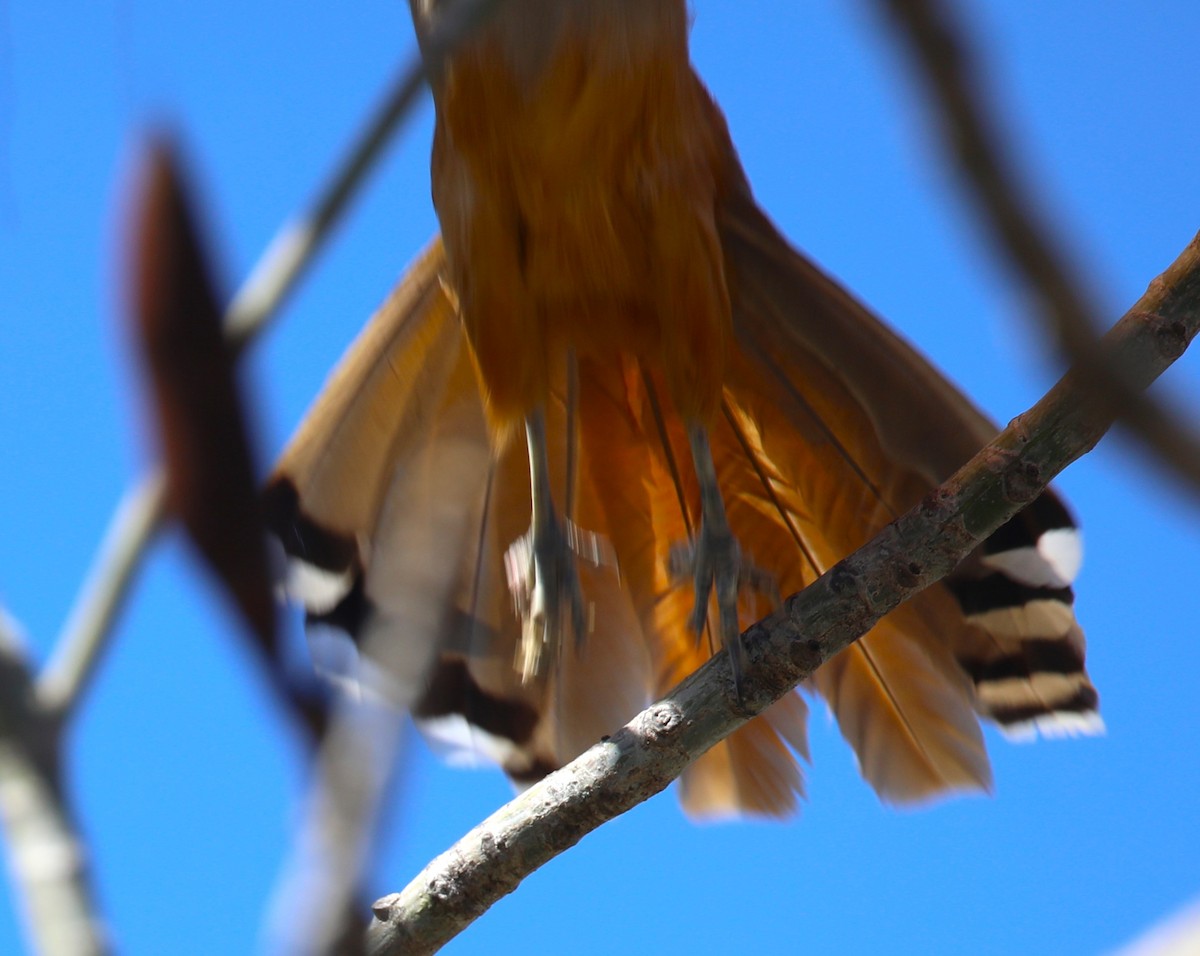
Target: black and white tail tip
[{"x": 1029, "y": 670}]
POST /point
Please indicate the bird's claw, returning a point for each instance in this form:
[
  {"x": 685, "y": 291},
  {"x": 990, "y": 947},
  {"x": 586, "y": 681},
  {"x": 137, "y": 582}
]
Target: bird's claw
[
  {"x": 544, "y": 583},
  {"x": 716, "y": 564}
]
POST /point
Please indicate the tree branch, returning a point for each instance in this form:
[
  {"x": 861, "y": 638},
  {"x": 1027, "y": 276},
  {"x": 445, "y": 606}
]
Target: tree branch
[
  {"x": 913, "y": 552},
  {"x": 78, "y": 650},
  {"x": 352, "y": 771},
  {"x": 278, "y": 270},
  {"x": 46, "y": 856},
  {"x": 296, "y": 243},
  {"x": 971, "y": 137}
]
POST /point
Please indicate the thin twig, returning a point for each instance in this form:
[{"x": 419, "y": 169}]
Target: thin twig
[
  {"x": 75, "y": 656},
  {"x": 293, "y": 249},
  {"x": 910, "y": 554},
  {"x": 971, "y": 136}
]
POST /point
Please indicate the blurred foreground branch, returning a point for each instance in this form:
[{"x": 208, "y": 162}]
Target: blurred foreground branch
[
  {"x": 129, "y": 533},
  {"x": 276, "y": 274},
  {"x": 970, "y": 135},
  {"x": 811, "y": 627},
  {"x": 48, "y": 861},
  {"x": 45, "y": 848},
  {"x": 314, "y": 905}
]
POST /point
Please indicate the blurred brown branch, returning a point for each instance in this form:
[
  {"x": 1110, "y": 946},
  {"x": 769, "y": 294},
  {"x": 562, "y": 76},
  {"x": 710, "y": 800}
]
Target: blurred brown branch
[
  {"x": 47, "y": 854},
  {"x": 970, "y": 135},
  {"x": 202, "y": 421},
  {"x": 275, "y": 275}
]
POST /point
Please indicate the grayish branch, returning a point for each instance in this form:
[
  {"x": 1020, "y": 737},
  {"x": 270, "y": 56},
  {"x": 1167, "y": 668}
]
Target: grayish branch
[
  {"x": 46, "y": 856},
  {"x": 913, "y": 552},
  {"x": 48, "y": 861},
  {"x": 77, "y": 651}
]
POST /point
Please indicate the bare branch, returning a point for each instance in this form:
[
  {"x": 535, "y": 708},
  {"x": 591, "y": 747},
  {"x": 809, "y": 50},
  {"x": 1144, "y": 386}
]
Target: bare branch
[
  {"x": 316, "y": 893},
  {"x": 910, "y": 554},
  {"x": 78, "y": 648},
  {"x": 260, "y": 296},
  {"x": 970, "y": 135},
  {"x": 46, "y": 855},
  {"x": 296, "y": 243}
]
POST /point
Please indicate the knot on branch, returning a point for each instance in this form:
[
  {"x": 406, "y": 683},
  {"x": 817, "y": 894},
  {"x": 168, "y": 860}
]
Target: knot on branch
[
  {"x": 660, "y": 720},
  {"x": 1018, "y": 428},
  {"x": 443, "y": 886},
  {"x": 381, "y": 909},
  {"x": 490, "y": 845},
  {"x": 806, "y": 656},
  {"x": 843, "y": 579},
  {"x": 940, "y": 499},
  {"x": 907, "y": 574},
  {"x": 1024, "y": 482},
  {"x": 1170, "y": 337}
]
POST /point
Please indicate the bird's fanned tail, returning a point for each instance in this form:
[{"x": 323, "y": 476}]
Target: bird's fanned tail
[
  {"x": 397, "y": 503},
  {"x": 864, "y": 427}
]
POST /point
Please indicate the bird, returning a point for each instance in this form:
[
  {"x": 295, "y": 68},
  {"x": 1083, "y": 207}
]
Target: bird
[{"x": 609, "y": 414}]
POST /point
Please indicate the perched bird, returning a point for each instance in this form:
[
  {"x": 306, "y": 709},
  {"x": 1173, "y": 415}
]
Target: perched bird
[{"x": 612, "y": 408}]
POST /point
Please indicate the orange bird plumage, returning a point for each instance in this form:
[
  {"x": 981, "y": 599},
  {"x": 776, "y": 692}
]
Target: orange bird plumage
[{"x": 605, "y": 279}]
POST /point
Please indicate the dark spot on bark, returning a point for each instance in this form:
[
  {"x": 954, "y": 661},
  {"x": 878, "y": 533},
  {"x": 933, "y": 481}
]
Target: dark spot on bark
[
  {"x": 905, "y": 576},
  {"x": 842, "y": 579},
  {"x": 805, "y": 655},
  {"x": 1023, "y": 482},
  {"x": 1172, "y": 339}
]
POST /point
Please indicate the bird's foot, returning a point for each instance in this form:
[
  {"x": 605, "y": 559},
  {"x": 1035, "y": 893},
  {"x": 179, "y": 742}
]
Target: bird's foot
[
  {"x": 544, "y": 582},
  {"x": 718, "y": 567}
]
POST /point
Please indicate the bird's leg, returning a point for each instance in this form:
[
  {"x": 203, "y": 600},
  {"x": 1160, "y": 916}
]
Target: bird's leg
[
  {"x": 540, "y": 564},
  {"x": 715, "y": 559}
]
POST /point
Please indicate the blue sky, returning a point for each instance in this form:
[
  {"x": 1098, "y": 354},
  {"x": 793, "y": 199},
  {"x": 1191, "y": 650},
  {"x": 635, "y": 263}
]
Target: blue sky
[{"x": 186, "y": 777}]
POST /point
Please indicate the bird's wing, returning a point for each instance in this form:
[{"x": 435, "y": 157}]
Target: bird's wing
[{"x": 395, "y": 508}]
